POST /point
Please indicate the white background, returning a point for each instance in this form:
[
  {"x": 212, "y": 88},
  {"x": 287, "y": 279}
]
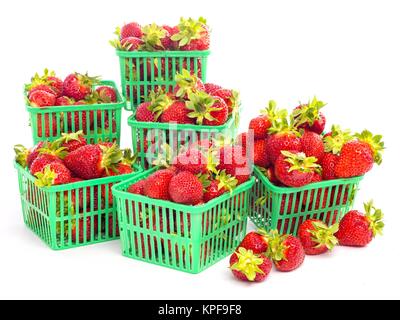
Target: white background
[{"x": 345, "y": 52}]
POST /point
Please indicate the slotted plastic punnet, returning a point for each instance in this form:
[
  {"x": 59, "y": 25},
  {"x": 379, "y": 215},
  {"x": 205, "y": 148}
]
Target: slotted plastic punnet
[
  {"x": 185, "y": 238},
  {"x": 70, "y": 215},
  {"x": 143, "y": 71},
  {"x": 148, "y": 138},
  {"x": 99, "y": 122},
  {"x": 285, "y": 209}
]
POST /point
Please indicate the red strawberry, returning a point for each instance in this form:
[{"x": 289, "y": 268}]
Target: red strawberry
[
  {"x": 211, "y": 88},
  {"x": 221, "y": 184},
  {"x": 81, "y": 227},
  {"x": 234, "y": 162},
  {"x": 107, "y": 94},
  {"x": 151, "y": 110},
  {"x": 25, "y": 156},
  {"x": 358, "y": 156},
  {"x": 260, "y": 126},
  {"x": 290, "y": 206},
  {"x": 132, "y": 29},
  {"x": 47, "y": 125},
  {"x": 91, "y": 161},
  {"x": 137, "y": 188},
  {"x": 64, "y": 101},
  {"x": 47, "y": 82},
  {"x": 321, "y": 202},
  {"x": 295, "y": 169},
  {"x": 56, "y": 84},
  {"x": 336, "y": 138},
  {"x": 193, "y": 35},
  {"x": 155, "y": 38},
  {"x": 78, "y": 86},
  {"x": 283, "y": 137},
  {"x": 357, "y": 229},
  {"x": 261, "y": 153},
  {"x": 286, "y": 251},
  {"x": 256, "y": 242},
  {"x": 328, "y": 165},
  {"x": 113, "y": 227},
  {"x": 72, "y": 141},
  {"x": 316, "y": 237},
  {"x": 143, "y": 113},
  {"x": 312, "y": 144},
  {"x": 230, "y": 97},
  {"x": 192, "y": 160},
  {"x": 42, "y": 87},
  {"x": 53, "y": 174},
  {"x": 247, "y": 266},
  {"x": 177, "y": 112},
  {"x": 42, "y": 161},
  {"x": 156, "y": 185},
  {"x": 309, "y": 117},
  {"x": 241, "y": 140},
  {"x": 187, "y": 83},
  {"x": 128, "y": 44},
  {"x": 186, "y": 188},
  {"x": 77, "y": 121},
  {"x": 41, "y": 98},
  {"x": 207, "y": 110},
  {"x": 270, "y": 174}
]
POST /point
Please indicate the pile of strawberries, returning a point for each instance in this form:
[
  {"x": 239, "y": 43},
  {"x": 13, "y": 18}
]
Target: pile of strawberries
[
  {"x": 295, "y": 152},
  {"x": 259, "y": 251},
  {"x": 189, "y": 35},
  {"x": 191, "y": 102},
  {"x": 47, "y": 91},
  {"x": 197, "y": 175}
]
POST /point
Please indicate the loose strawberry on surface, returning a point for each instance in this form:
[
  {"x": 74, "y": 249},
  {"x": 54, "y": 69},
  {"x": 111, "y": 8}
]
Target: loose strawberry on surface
[{"x": 248, "y": 266}]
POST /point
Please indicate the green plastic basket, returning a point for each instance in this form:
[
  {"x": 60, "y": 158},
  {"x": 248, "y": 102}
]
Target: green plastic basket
[
  {"x": 144, "y": 71},
  {"x": 285, "y": 209},
  {"x": 99, "y": 122},
  {"x": 54, "y": 213},
  {"x": 148, "y": 138},
  {"x": 185, "y": 238}
]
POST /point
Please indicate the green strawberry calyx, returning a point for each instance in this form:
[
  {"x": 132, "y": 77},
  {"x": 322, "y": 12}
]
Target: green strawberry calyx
[
  {"x": 201, "y": 105},
  {"x": 281, "y": 125},
  {"x": 248, "y": 263},
  {"x": 308, "y": 113},
  {"x": 165, "y": 156},
  {"x": 375, "y": 142},
  {"x": 86, "y": 80},
  {"x": 159, "y": 102},
  {"x": 273, "y": 113},
  {"x": 128, "y": 158},
  {"x": 54, "y": 148},
  {"x": 186, "y": 83},
  {"x": 276, "y": 246},
  {"x": 205, "y": 180},
  {"x": 68, "y": 137},
  {"x": 21, "y": 155},
  {"x": 116, "y": 43},
  {"x": 324, "y": 235},
  {"x": 337, "y": 139},
  {"x": 152, "y": 35},
  {"x": 374, "y": 217},
  {"x": 226, "y": 181},
  {"x": 300, "y": 162},
  {"x": 111, "y": 156},
  {"x": 37, "y": 79},
  {"x": 45, "y": 178},
  {"x": 190, "y": 29}
]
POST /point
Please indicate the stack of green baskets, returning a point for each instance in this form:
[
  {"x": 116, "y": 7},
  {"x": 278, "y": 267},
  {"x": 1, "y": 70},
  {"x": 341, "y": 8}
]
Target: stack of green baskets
[{"x": 99, "y": 122}]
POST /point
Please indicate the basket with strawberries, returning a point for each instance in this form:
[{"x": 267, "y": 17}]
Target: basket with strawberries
[
  {"x": 192, "y": 213},
  {"x": 302, "y": 173},
  {"x": 192, "y": 112},
  {"x": 80, "y": 102},
  {"x": 65, "y": 189},
  {"x": 151, "y": 55}
]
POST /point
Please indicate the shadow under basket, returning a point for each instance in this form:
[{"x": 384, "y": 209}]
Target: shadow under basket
[
  {"x": 148, "y": 138},
  {"x": 99, "y": 122},
  {"x": 143, "y": 71},
  {"x": 70, "y": 215},
  {"x": 181, "y": 237},
  {"x": 285, "y": 209}
]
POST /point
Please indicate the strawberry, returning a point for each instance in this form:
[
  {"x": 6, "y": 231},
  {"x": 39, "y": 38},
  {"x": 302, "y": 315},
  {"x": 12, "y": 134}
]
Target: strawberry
[
  {"x": 283, "y": 137},
  {"x": 132, "y": 29},
  {"x": 47, "y": 82},
  {"x": 248, "y": 266},
  {"x": 192, "y": 160},
  {"x": 107, "y": 94},
  {"x": 234, "y": 162},
  {"x": 207, "y": 110},
  {"x": 144, "y": 114},
  {"x": 309, "y": 117},
  {"x": 286, "y": 251},
  {"x": 328, "y": 165},
  {"x": 77, "y": 121},
  {"x": 41, "y": 98},
  {"x": 137, "y": 188},
  {"x": 262, "y": 123},
  {"x": 357, "y": 157},
  {"x": 25, "y": 157},
  {"x": 47, "y": 125},
  {"x": 177, "y": 112},
  {"x": 193, "y": 35},
  {"x": 53, "y": 174},
  {"x": 72, "y": 141},
  {"x": 336, "y": 139},
  {"x": 316, "y": 237},
  {"x": 295, "y": 169},
  {"x": 290, "y": 206},
  {"x": 217, "y": 187},
  {"x": 357, "y": 229},
  {"x": 155, "y": 37},
  {"x": 113, "y": 227},
  {"x": 312, "y": 144},
  {"x": 64, "y": 101},
  {"x": 151, "y": 110},
  {"x": 42, "y": 161},
  {"x": 261, "y": 153},
  {"x": 256, "y": 241},
  {"x": 186, "y": 188},
  {"x": 156, "y": 186},
  {"x": 78, "y": 86},
  {"x": 167, "y": 42},
  {"x": 91, "y": 161},
  {"x": 242, "y": 141},
  {"x": 230, "y": 97},
  {"x": 43, "y": 87},
  {"x": 187, "y": 83},
  {"x": 78, "y": 233},
  {"x": 127, "y": 44},
  {"x": 321, "y": 202},
  {"x": 211, "y": 88}
]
